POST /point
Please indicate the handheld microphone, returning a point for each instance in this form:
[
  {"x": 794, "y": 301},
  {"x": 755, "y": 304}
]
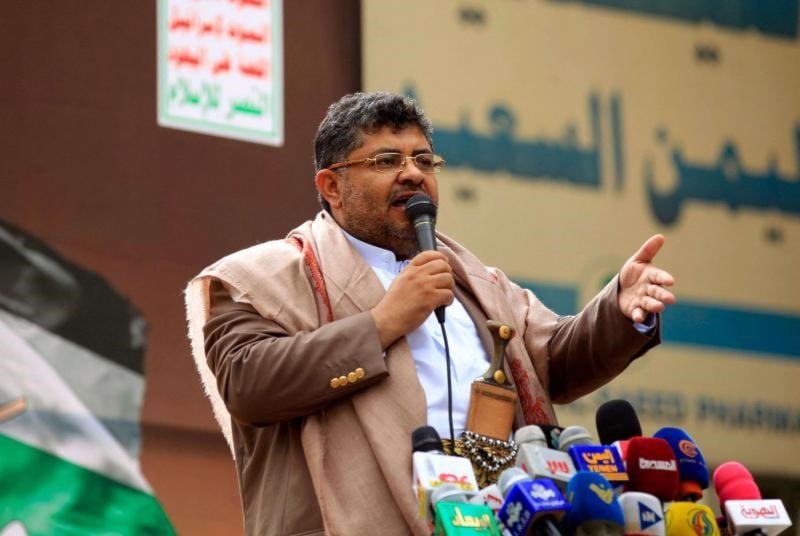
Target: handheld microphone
[
  {"x": 426, "y": 439},
  {"x": 690, "y": 519},
  {"x": 493, "y": 495},
  {"x": 601, "y": 459},
  {"x": 621, "y": 447},
  {"x": 532, "y": 507},
  {"x": 692, "y": 468},
  {"x": 531, "y": 434},
  {"x": 574, "y": 435},
  {"x": 552, "y": 433},
  {"x": 732, "y": 480},
  {"x": 421, "y": 212},
  {"x": 594, "y": 508},
  {"x": 539, "y": 461},
  {"x": 448, "y": 493},
  {"x": 643, "y": 513},
  {"x": 455, "y": 516},
  {"x": 746, "y": 512},
  {"x": 767, "y": 516},
  {"x": 616, "y": 420},
  {"x": 588, "y": 456},
  {"x": 432, "y": 469},
  {"x": 509, "y": 477},
  {"x": 505, "y": 482},
  {"x": 652, "y": 468},
  {"x": 489, "y": 496}
]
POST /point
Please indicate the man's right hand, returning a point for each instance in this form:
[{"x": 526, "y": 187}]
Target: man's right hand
[{"x": 425, "y": 284}]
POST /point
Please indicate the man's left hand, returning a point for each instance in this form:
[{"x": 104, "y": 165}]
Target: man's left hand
[{"x": 641, "y": 283}]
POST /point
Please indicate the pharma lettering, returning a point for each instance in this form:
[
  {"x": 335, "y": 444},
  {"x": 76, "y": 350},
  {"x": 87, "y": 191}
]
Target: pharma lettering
[{"x": 677, "y": 407}]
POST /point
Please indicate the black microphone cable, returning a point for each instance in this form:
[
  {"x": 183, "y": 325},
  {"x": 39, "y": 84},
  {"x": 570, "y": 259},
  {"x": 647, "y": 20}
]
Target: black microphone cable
[
  {"x": 421, "y": 212},
  {"x": 449, "y": 385}
]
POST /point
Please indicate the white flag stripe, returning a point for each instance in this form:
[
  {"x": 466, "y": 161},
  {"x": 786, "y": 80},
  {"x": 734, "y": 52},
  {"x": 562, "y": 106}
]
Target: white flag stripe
[
  {"x": 12, "y": 409},
  {"x": 15, "y": 528},
  {"x": 55, "y": 420},
  {"x": 110, "y": 391}
]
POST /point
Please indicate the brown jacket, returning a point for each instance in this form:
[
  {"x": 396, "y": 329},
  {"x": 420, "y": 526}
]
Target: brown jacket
[{"x": 317, "y": 458}]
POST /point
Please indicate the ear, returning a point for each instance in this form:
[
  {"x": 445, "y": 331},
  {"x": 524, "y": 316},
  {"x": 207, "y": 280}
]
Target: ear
[{"x": 328, "y": 186}]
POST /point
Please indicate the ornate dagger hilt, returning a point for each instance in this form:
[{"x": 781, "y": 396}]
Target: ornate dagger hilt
[
  {"x": 501, "y": 335},
  {"x": 492, "y": 397}
]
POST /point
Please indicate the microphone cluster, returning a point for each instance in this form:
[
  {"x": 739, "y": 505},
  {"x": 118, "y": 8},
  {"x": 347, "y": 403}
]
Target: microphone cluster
[{"x": 567, "y": 484}]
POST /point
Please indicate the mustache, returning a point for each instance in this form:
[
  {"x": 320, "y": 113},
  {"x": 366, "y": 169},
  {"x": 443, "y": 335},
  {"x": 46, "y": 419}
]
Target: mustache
[{"x": 404, "y": 194}]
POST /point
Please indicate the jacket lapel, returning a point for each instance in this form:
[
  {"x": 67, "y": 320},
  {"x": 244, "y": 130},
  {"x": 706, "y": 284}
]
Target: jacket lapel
[{"x": 389, "y": 411}]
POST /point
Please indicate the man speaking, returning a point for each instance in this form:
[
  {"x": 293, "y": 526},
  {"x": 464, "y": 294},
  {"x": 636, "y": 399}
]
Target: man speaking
[{"x": 322, "y": 354}]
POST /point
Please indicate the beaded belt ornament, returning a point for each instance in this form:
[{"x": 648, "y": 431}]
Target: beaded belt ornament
[{"x": 489, "y": 456}]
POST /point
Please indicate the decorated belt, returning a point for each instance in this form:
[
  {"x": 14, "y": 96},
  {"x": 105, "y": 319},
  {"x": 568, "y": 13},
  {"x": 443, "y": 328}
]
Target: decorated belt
[{"x": 489, "y": 456}]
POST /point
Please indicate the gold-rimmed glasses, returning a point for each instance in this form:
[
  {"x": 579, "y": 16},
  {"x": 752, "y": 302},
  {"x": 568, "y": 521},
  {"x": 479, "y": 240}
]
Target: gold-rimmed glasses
[{"x": 394, "y": 162}]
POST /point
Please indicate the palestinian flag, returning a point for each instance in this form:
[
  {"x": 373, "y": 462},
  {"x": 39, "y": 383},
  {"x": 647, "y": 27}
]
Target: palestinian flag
[{"x": 71, "y": 387}]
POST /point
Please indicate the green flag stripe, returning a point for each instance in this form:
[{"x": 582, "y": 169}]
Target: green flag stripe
[{"x": 52, "y": 496}]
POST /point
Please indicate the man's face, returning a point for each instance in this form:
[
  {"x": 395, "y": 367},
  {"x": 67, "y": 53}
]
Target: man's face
[{"x": 371, "y": 205}]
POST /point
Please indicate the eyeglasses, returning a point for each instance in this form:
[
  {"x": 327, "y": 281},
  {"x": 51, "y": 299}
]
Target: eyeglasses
[{"x": 394, "y": 162}]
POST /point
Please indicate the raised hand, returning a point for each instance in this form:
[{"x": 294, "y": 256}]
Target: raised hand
[{"x": 641, "y": 283}]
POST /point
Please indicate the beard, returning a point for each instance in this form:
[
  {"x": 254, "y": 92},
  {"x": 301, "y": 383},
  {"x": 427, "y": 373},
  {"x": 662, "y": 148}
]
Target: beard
[{"x": 367, "y": 220}]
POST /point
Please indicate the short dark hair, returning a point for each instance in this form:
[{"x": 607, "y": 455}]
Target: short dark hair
[{"x": 357, "y": 113}]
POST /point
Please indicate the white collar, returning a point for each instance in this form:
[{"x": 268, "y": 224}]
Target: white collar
[{"x": 376, "y": 257}]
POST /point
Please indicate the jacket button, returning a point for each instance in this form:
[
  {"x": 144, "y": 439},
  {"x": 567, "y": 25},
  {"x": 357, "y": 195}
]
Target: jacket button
[
  {"x": 334, "y": 383},
  {"x": 360, "y": 373},
  {"x": 351, "y": 377},
  {"x": 342, "y": 380}
]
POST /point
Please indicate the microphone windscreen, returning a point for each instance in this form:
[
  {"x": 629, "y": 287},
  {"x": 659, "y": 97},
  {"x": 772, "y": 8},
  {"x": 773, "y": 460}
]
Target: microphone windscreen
[
  {"x": 426, "y": 439},
  {"x": 574, "y": 435},
  {"x": 690, "y": 519},
  {"x": 489, "y": 496},
  {"x": 532, "y": 502},
  {"x": 732, "y": 481},
  {"x": 603, "y": 459},
  {"x": 552, "y": 434},
  {"x": 463, "y": 520},
  {"x": 545, "y": 463},
  {"x": 448, "y": 493},
  {"x": 652, "y": 468},
  {"x": 616, "y": 420},
  {"x": 591, "y": 498},
  {"x": 530, "y": 434},
  {"x": 692, "y": 468},
  {"x": 643, "y": 513},
  {"x": 432, "y": 470},
  {"x": 420, "y": 205},
  {"x": 509, "y": 477},
  {"x": 622, "y": 448}
]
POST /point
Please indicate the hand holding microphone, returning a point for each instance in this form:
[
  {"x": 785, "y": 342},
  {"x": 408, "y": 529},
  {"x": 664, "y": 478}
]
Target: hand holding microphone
[
  {"x": 425, "y": 285},
  {"x": 421, "y": 212}
]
